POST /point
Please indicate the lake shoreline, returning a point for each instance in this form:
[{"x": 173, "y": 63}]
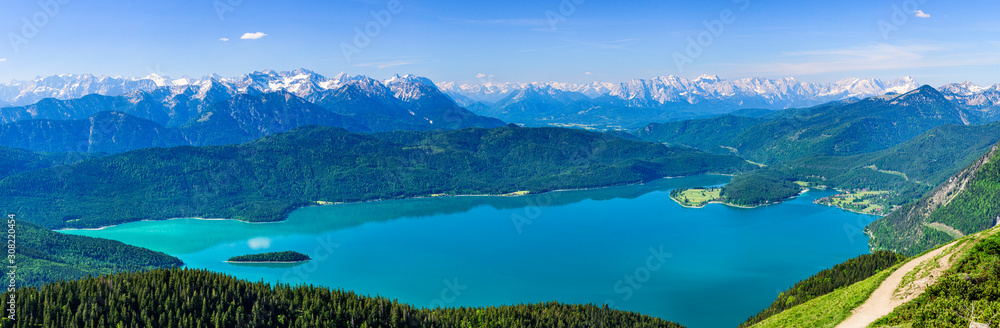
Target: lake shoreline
[
  {"x": 267, "y": 262},
  {"x": 744, "y": 206},
  {"x": 512, "y": 195}
]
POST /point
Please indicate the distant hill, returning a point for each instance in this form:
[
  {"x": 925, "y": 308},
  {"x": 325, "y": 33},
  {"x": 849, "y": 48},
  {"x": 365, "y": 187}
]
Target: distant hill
[
  {"x": 45, "y": 256},
  {"x": 14, "y": 161},
  {"x": 713, "y": 135},
  {"x": 833, "y": 129},
  {"x": 266, "y": 179}
]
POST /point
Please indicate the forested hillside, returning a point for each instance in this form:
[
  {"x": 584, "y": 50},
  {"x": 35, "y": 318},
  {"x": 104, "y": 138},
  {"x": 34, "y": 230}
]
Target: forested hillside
[
  {"x": 14, "y": 160},
  {"x": 711, "y": 134},
  {"x": 197, "y": 299},
  {"x": 45, "y": 256},
  {"x": 266, "y": 179},
  {"x": 968, "y": 202},
  {"x": 834, "y": 129}
]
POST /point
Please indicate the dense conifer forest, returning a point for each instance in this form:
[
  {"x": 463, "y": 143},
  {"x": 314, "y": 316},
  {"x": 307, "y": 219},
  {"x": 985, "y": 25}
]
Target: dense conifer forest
[{"x": 198, "y": 299}]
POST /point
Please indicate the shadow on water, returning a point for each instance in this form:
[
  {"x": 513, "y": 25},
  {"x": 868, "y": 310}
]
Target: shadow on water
[{"x": 184, "y": 236}]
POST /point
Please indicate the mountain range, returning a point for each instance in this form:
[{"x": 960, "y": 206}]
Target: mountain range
[{"x": 601, "y": 104}]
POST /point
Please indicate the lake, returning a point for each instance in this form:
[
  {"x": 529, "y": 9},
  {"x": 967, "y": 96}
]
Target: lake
[{"x": 629, "y": 247}]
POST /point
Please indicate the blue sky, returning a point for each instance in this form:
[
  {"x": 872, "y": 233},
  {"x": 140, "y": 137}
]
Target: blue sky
[{"x": 577, "y": 41}]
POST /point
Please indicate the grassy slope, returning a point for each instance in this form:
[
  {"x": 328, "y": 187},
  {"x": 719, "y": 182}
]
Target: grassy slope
[
  {"x": 827, "y": 310},
  {"x": 827, "y": 281},
  {"x": 973, "y": 282},
  {"x": 976, "y": 274}
]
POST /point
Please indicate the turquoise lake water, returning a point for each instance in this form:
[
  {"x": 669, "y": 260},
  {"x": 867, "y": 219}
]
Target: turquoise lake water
[{"x": 629, "y": 247}]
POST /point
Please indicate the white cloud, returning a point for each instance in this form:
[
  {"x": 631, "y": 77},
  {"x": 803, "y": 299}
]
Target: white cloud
[
  {"x": 588, "y": 73},
  {"x": 3, "y": 60},
  {"x": 259, "y": 243},
  {"x": 253, "y": 36},
  {"x": 921, "y": 14},
  {"x": 480, "y": 75},
  {"x": 223, "y": 39}
]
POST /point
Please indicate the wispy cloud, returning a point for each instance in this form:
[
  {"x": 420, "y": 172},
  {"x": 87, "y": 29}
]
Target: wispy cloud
[
  {"x": 223, "y": 39},
  {"x": 3, "y": 60},
  {"x": 879, "y": 56},
  {"x": 383, "y": 65},
  {"x": 531, "y": 22},
  {"x": 253, "y": 36},
  {"x": 480, "y": 75},
  {"x": 921, "y": 14}
]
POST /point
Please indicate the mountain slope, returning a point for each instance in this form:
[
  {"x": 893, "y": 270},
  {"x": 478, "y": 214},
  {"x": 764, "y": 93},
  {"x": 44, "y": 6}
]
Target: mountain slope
[
  {"x": 403, "y": 103},
  {"x": 242, "y": 118},
  {"x": 73, "y": 109},
  {"x": 982, "y": 101},
  {"x": 860, "y": 127},
  {"x": 45, "y": 256},
  {"x": 423, "y": 99},
  {"x": 110, "y": 132},
  {"x": 534, "y": 103},
  {"x": 265, "y": 179},
  {"x": 968, "y": 201},
  {"x": 245, "y": 118}
]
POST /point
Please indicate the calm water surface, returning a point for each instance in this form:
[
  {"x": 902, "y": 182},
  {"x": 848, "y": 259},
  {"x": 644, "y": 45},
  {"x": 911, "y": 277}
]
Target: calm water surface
[{"x": 629, "y": 247}]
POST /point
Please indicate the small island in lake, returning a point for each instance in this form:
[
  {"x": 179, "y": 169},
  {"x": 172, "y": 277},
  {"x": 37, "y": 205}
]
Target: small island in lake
[{"x": 273, "y": 257}]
